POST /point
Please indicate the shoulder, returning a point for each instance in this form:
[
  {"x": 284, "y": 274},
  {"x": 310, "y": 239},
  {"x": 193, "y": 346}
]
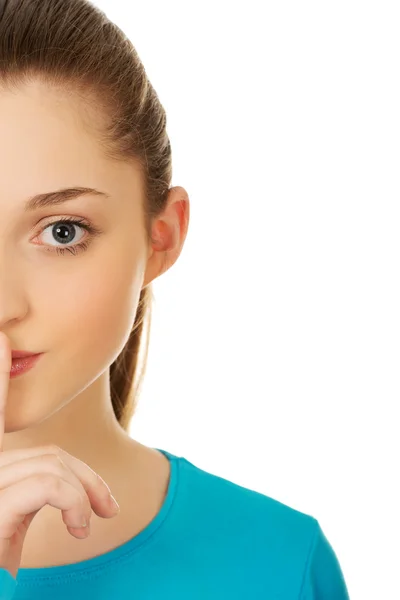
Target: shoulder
[
  {"x": 228, "y": 503},
  {"x": 276, "y": 538},
  {"x": 323, "y": 576}
]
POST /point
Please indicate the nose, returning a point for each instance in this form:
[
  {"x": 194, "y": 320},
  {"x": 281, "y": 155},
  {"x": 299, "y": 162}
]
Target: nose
[{"x": 12, "y": 300}]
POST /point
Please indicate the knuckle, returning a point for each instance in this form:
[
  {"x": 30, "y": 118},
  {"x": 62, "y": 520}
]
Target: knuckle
[
  {"x": 53, "y": 449},
  {"x": 56, "y": 462},
  {"x": 49, "y": 482}
]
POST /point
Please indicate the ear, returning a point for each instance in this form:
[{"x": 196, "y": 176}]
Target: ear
[{"x": 168, "y": 235}]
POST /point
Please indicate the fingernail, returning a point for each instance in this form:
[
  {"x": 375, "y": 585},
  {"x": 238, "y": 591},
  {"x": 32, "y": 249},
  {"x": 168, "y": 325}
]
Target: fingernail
[
  {"x": 114, "y": 505},
  {"x": 87, "y": 528}
]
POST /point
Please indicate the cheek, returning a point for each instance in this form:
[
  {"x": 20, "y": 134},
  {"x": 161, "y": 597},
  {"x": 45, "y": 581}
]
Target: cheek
[
  {"x": 106, "y": 314},
  {"x": 92, "y": 313}
]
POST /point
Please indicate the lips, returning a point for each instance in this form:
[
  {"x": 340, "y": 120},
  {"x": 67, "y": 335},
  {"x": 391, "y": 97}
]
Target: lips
[
  {"x": 22, "y": 354},
  {"x": 22, "y": 365}
]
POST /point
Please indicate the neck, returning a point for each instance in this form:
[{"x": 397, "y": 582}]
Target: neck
[{"x": 86, "y": 428}]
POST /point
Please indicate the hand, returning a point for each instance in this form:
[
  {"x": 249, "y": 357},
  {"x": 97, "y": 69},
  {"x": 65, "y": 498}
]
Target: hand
[{"x": 30, "y": 478}]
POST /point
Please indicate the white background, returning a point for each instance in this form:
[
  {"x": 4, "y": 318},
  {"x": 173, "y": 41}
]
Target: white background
[{"x": 275, "y": 343}]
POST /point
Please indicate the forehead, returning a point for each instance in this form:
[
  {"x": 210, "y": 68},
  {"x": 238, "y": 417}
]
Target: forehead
[
  {"x": 47, "y": 141},
  {"x": 38, "y": 123}
]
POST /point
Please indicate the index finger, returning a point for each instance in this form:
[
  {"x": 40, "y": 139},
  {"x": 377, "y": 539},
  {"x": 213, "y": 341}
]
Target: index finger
[{"x": 5, "y": 367}]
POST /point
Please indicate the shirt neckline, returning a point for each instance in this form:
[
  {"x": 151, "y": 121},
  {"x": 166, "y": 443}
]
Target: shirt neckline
[{"x": 88, "y": 567}]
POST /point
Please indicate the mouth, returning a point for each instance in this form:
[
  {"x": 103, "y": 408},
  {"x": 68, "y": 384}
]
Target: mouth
[
  {"x": 22, "y": 354},
  {"x": 22, "y": 364}
]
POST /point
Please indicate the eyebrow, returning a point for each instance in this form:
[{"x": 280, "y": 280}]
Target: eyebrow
[{"x": 59, "y": 196}]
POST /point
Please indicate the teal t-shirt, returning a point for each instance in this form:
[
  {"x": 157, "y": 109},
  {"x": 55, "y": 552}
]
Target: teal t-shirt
[{"x": 212, "y": 539}]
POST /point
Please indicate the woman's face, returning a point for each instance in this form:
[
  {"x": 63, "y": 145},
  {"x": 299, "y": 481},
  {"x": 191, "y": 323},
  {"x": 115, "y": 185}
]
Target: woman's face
[{"x": 78, "y": 307}]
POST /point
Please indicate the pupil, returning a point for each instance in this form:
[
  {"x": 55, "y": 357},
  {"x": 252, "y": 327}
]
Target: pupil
[{"x": 62, "y": 231}]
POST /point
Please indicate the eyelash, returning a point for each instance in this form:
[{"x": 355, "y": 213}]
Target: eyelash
[{"x": 81, "y": 246}]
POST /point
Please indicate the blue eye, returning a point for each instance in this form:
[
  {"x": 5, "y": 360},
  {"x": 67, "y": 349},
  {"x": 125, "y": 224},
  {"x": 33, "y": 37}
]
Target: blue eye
[{"x": 64, "y": 228}]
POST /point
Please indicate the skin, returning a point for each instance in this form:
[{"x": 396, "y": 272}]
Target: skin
[{"x": 77, "y": 309}]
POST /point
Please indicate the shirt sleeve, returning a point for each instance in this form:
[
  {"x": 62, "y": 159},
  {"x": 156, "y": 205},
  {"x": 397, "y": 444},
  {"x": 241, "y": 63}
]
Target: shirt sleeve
[
  {"x": 7, "y": 585},
  {"x": 323, "y": 577}
]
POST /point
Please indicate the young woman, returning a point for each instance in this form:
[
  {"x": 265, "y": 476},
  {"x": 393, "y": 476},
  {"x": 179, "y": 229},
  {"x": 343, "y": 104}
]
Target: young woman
[{"x": 87, "y": 221}]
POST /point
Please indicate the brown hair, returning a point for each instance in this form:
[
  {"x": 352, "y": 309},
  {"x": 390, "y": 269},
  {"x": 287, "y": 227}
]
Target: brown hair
[{"x": 73, "y": 46}]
